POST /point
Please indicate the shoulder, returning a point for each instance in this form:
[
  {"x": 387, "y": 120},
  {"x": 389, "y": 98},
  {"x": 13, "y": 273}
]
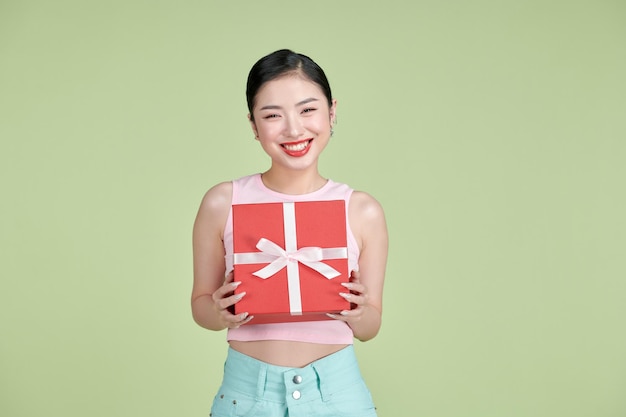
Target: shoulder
[
  {"x": 218, "y": 197},
  {"x": 364, "y": 207},
  {"x": 367, "y": 219},
  {"x": 215, "y": 205}
]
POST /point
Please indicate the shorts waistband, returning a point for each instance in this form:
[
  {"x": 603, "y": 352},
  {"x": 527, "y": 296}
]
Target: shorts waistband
[{"x": 278, "y": 383}]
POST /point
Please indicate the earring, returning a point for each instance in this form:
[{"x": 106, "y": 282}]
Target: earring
[{"x": 332, "y": 132}]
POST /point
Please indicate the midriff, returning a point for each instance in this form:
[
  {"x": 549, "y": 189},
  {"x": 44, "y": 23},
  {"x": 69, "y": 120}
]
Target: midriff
[{"x": 284, "y": 352}]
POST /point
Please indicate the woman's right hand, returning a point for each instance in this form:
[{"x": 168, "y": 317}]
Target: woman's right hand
[{"x": 224, "y": 298}]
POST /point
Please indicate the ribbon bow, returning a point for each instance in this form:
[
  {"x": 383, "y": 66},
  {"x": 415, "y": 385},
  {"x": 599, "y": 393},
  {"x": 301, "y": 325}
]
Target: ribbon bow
[{"x": 309, "y": 256}]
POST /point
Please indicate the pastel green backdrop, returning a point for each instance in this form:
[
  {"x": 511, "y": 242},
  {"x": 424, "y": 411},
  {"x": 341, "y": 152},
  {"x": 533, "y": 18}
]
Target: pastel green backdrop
[{"x": 492, "y": 133}]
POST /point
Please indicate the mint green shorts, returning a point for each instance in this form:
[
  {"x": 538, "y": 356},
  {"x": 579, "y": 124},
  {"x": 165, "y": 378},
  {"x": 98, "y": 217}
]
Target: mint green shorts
[{"x": 329, "y": 387}]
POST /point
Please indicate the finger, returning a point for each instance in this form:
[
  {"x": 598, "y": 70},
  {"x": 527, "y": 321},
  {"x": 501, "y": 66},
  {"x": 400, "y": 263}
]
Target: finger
[
  {"x": 351, "y": 316},
  {"x": 239, "y": 320},
  {"x": 224, "y": 290},
  {"x": 234, "y": 321},
  {"x": 347, "y": 315},
  {"x": 355, "y": 287},
  {"x": 359, "y": 300},
  {"x": 226, "y": 302},
  {"x": 336, "y": 316},
  {"x": 247, "y": 319},
  {"x": 229, "y": 277},
  {"x": 223, "y": 304}
]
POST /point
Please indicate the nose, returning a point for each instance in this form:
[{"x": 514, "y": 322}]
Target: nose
[{"x": 294, "y": 127}]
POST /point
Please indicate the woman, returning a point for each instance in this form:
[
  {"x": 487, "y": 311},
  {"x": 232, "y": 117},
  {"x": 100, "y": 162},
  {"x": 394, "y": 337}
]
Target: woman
[{"x": 304, "y": 368}]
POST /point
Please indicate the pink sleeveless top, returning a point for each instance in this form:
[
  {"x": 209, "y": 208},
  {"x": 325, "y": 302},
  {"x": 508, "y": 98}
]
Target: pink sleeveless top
[{"x": 251, "y": 189}]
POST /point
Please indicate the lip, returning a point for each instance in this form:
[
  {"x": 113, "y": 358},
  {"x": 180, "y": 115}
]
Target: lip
[{"x": 300, "y": 152}]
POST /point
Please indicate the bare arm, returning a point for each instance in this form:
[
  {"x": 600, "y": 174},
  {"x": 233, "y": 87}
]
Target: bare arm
[
  {"x": 367, "y": 221},
  {"x": 212, "y": 291}
]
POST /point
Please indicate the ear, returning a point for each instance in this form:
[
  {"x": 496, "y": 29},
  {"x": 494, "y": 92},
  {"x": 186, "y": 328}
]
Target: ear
[
  {"x": 333, "y": 113},
  {"x": 253, "y": 126}
]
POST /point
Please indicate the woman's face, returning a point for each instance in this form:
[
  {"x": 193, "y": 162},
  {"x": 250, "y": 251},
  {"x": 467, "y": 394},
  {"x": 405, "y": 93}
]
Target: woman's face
[{"x": 292, "y": 121}]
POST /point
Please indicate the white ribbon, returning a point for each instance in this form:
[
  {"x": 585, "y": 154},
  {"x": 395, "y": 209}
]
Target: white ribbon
[
  {"x": 279, "y": 258},
  {"x": 309, "y": 256}
]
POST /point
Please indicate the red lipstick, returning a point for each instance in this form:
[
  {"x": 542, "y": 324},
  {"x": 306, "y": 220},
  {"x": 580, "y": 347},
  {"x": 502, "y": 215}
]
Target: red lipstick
[{"x": 298, "y": 148}]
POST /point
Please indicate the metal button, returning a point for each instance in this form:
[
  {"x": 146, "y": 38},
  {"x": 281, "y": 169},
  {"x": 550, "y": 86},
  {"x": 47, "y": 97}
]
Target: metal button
[
  {"x": 296, "y": 395},
  {"x": 297, "y": 379}
]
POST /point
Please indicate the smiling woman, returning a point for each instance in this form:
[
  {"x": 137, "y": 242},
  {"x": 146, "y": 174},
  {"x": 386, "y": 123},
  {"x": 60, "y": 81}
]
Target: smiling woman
[
  {"x": 290, "y": 127},
  {"x": 302, "y": 366}
]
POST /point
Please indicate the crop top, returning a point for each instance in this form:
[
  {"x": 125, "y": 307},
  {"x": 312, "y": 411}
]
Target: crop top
[{"x": 250, "y": 189}]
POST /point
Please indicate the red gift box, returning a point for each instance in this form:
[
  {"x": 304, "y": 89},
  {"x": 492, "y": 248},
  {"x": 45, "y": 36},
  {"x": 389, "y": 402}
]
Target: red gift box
[{"x": 291, "y": 259}]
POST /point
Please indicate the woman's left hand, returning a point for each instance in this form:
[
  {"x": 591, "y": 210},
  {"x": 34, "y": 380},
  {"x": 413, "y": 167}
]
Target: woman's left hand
[{"x": 356, "y": 294}]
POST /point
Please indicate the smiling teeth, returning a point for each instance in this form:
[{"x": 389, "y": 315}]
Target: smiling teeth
[{"x": 296, "y": 147}]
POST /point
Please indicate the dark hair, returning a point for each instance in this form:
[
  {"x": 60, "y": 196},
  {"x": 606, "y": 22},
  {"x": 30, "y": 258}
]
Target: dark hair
[{"x": 280, "y": 63}]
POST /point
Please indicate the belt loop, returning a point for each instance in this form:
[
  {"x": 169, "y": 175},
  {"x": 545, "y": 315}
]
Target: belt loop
[{"x": 260, "y": 383}]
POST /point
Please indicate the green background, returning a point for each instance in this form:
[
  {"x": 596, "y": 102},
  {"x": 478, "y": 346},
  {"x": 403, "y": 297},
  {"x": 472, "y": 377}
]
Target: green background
[{"x": 493, "y": 133}]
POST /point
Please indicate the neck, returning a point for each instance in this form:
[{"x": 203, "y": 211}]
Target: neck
[{"x": 293, "y": 182}]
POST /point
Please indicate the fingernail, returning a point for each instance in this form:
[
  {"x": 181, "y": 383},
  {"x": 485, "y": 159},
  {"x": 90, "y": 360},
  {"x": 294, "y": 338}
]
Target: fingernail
[
  {"x": 240, "y": 295},
  {"x": 332, "y": 316},
  {"x": 347, "y": 284},
  {"x": 344, "y": 295},
  {"x": 235, "y": 284},
  {"x": 243, "y": 316},
  {"x": 344, "y": 313}
]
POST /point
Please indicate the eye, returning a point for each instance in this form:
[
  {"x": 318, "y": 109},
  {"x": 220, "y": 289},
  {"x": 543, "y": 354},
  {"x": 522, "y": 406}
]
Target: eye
[
  {"x": 271, "y": 116},
  {"x": 309, "y": 110}
]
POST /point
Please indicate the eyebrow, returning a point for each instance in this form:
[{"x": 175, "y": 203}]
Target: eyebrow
[{"x": 300, "y": 103}]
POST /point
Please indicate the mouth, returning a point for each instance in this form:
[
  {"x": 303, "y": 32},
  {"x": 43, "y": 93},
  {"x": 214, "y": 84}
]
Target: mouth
[{"x": 299, "y": 148}]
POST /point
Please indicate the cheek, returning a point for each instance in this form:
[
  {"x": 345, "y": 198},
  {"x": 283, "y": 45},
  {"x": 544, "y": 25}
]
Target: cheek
[
  {"x": 323, "y": 120},
  {"x": 269, "y": 130},
  {"x": 322, "y": 124}
]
